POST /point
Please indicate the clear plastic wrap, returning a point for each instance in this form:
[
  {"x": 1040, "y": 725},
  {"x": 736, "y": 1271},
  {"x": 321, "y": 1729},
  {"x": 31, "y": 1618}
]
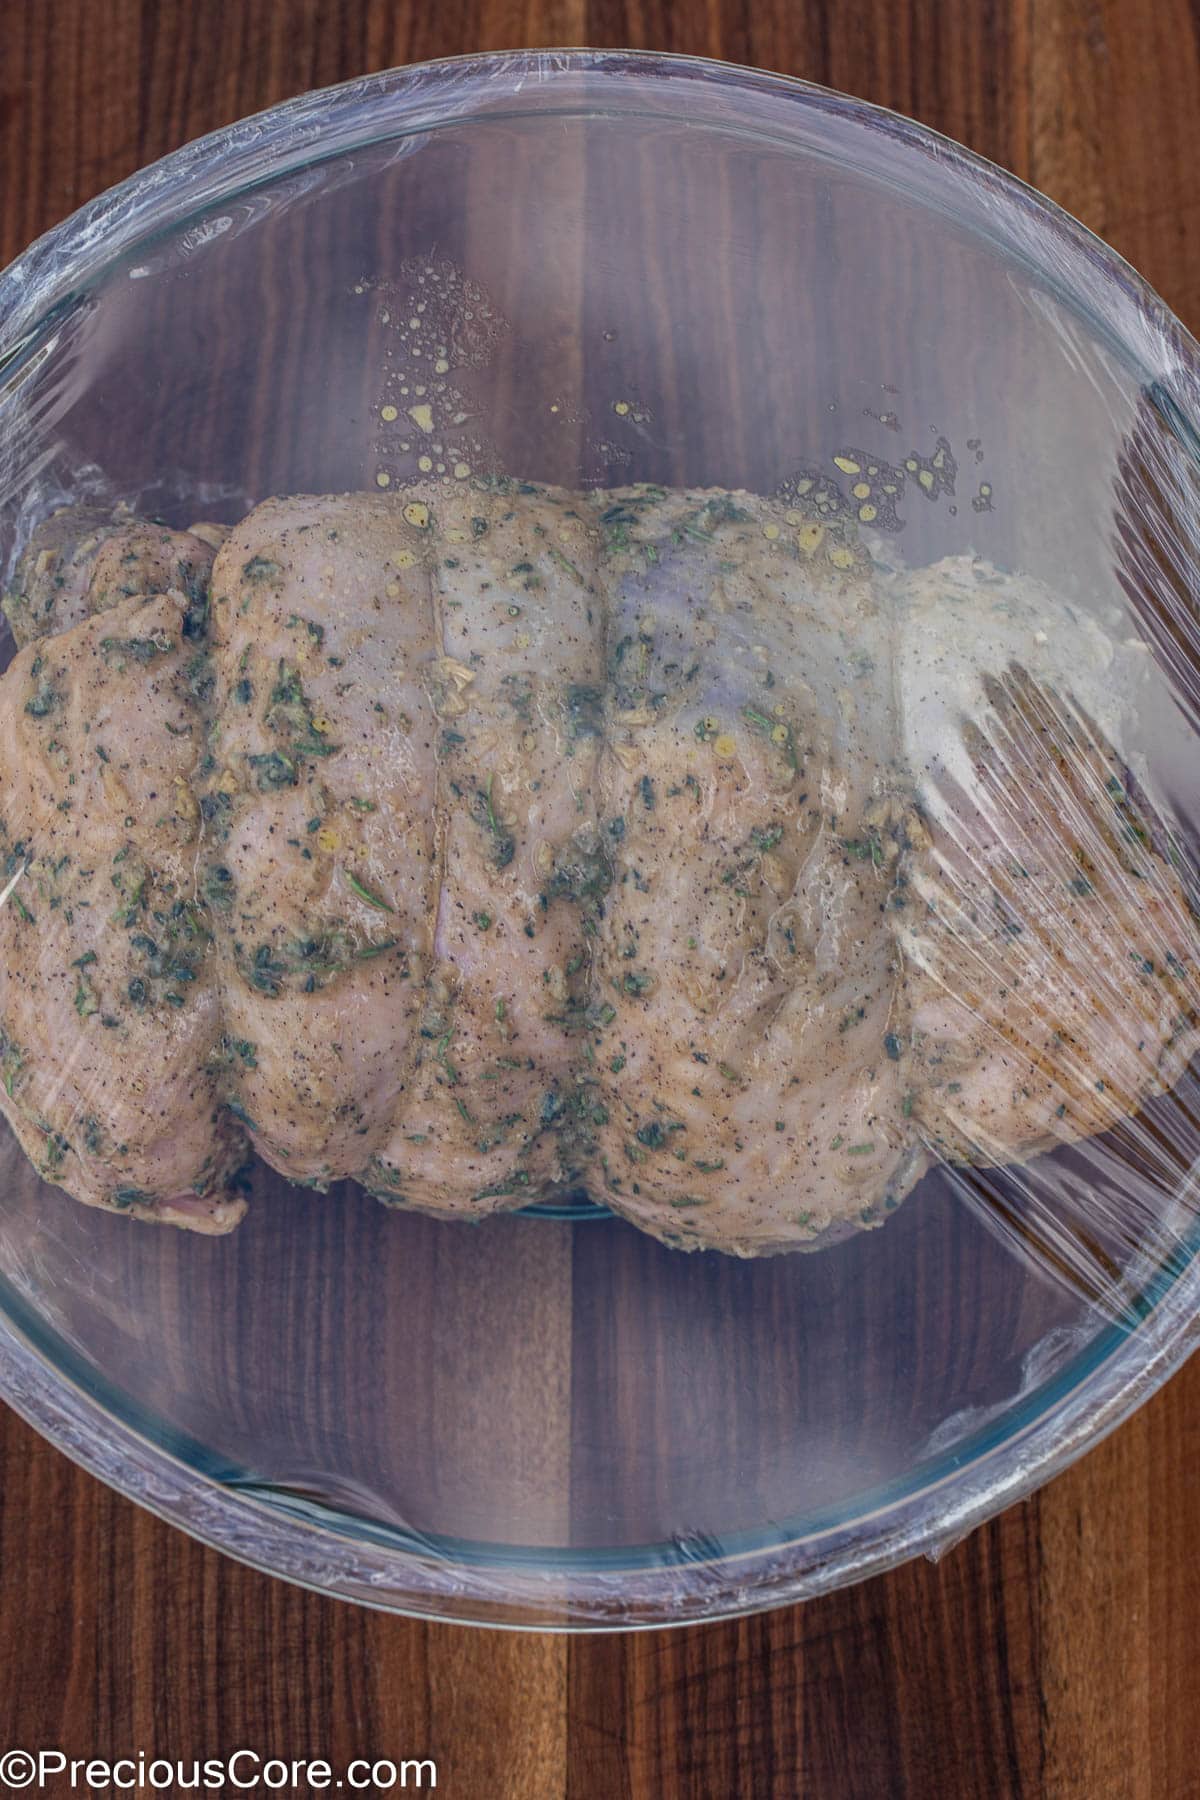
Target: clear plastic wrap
[
  {"x": 480, "y": 842},
  {"x": 541, "y": 726}
]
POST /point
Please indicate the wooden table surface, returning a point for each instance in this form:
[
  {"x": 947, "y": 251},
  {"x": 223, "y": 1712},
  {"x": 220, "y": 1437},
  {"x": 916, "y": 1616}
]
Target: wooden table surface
[{"x": 1054, "y": 1652}]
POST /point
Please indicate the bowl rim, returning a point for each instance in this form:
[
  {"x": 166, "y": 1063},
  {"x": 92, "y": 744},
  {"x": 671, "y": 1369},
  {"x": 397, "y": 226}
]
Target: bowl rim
[{"x": 674, "y": 1583}]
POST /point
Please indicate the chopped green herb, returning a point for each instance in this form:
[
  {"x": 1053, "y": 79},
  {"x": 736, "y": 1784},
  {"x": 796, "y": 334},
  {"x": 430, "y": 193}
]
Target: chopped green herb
[
  {"x": 218, "y": 887},
  {"x": 366, "y": 894},
  {"x": 266, "y": 971},
  {"x": 199, "y": 677},
  {"x": 637, "y": 982},
  {"x": 316, "y": 632},
  {"x": 260, "y": 568},
  {"x": 273, "y": 770},
  {"x": 585, "y": 716},
  {"x": 868, "y": 849},
  {"x": 238, "y": 1111},
  {"x": 775, "y": 731},
  {"x": 504, "y": 846},
  {"x": 582, "y": 873},
  {"x": 139, "y": 650},
  {"x": 369, "y": 950},
  {"x": 56, "y": 1153},
  {"x": 41, "y": 702},
  {"x": 653, "y": 1135},
  {"x": 124, "y": 1197}
]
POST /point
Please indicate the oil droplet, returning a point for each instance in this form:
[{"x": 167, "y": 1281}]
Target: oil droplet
[
  {"x": 441, "y": 366},
  {"x": 620, "y": 407},
  {"x": 422, "y": 416},
  {"x": 403, "y": 559},
  {"x": 847, "y": 465},
  {"x": 725, "y": 744},
  {"x": 861, "y": 490},
  {"x": 383, "y": 479},
  {"x": 771, "y": 531},
  {"x": 866, "y": 514},
  {"x": 388, "y": 413},
  {"x": 809, "y": 537},
  {"x": 392, "y": 590},
  {"x": 425, "y": 464},
  {"x": 327, "y": 840},
  {"x": 417, "y": 513},
  {"x": 841, "y": 558},
  {"x": 461, "y": 471}
]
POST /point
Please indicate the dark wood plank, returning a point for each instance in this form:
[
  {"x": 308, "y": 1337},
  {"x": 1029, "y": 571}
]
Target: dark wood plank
[
  {"x": 115, "y": 1630},
  {"x": 916, "y": 1684},
  {"x": 1053, "y": 1653}
]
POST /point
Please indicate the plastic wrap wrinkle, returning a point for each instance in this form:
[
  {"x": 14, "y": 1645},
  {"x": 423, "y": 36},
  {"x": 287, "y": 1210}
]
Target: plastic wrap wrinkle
[{"x": 886, "y": 817}]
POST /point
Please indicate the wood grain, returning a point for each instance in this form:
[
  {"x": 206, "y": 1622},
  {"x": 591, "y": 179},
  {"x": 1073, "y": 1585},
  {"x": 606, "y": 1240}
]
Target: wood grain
[{"x": 1053, "y": 1653}]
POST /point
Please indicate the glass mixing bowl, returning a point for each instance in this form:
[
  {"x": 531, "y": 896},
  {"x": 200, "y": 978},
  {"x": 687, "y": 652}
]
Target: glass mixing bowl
[{"x": 664, "y": 270}]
